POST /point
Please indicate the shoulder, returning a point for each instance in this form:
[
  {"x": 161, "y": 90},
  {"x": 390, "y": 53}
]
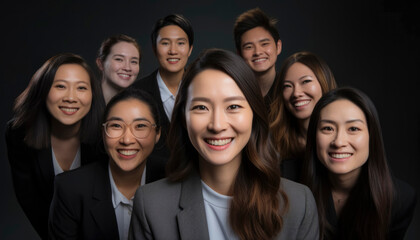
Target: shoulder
[
  {"x": 80, "y": 178},
  {"x": 300, "y": 198},
  {"x": 405, "y": 198},
  {"x": 294, "y": 190},
  {"x": 147, "y": 82},
  {"x": 161, "y": 190}
]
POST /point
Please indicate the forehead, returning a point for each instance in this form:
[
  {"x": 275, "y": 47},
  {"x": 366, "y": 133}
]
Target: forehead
[
  {"x": 213, "y": 84},
  {"x": 125, "y": 48},
  {"x": 256, "y": 34},
  {"x": 72, "y": 72},
  {"x": 297, "y": 70},
  {"x": 130, "y": 109},
  {"x": 342, "y": 110},
  {"x": 172, "y": 31}
]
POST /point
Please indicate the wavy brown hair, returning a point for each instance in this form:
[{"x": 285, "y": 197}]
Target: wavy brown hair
[
  {"x": 285, "y": 129},
  {"x": 366, "y": 214},
  {"x": 258, "y": 202}
]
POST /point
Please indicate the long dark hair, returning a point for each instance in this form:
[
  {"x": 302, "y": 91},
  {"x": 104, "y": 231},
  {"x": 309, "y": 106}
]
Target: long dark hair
[
  {"x": 30, "y": 111},
  {"x": 256, "y": 190},
  {"x": 366, "y": 214},
  {"x": 284, "y": 127}
]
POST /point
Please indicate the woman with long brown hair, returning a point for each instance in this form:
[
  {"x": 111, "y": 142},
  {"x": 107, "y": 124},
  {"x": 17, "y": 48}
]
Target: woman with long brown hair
[
  {"x": 304, "y": 77},
  {"x": 223, "y": 178},
  {"x": 347, "y": 171}
]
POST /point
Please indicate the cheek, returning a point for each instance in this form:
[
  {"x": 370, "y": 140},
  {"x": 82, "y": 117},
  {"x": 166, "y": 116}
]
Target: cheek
[
  {"x": 362, "y": 144},
  {"x": 322, "y": 144}
]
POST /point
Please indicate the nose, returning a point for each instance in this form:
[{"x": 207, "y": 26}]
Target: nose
[
  {"x": 172, "y": 49},
  {"x": 127, "y": 66},
  {"x": 297, "y": 91},
  {"x": 340, "y": 139},
  {"x": 127, "y": 138},
  {"x": 257, "y": 50},
  {"x": 218, "y": 121},
  {"x": 70, "y": 95}
]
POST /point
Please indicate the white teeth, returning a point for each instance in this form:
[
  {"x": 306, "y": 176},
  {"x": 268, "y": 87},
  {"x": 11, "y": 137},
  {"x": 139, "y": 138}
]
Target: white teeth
[
  {"x": 128, "y": 152},
  {"x": 340, "y": 155},
  {"x": 69, "y": 109},
  {"x": 298, "y": 104},
  {"x": 260, "y": 60},
  {"x": 219, "y": 142},
  {"x": 173, "y": 59},
  {"x": 124, "y": 75}
]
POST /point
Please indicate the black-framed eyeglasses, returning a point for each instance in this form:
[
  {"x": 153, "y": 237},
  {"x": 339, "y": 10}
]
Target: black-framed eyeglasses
[{"x": 117, "y": 128}]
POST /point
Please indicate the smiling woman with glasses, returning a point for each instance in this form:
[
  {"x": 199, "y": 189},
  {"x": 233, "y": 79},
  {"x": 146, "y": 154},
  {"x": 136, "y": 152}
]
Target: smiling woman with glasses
[{"x": 96, "y": 202}]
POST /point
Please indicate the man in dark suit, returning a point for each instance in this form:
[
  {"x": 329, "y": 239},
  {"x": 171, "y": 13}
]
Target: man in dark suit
[{"x": 172, "y": 40}]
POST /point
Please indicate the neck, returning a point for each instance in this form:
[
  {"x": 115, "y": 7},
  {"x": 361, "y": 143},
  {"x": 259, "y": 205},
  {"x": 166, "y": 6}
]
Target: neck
[
  {"x": 266, "y": 79},
  {"x": 344, "y": 183},
  {"x": 303, "y": 130},
  {"x": 171, "y": 79},
  {"x": 127, "y": 182},
  {"x": 219, "y": 178},
  {"x": 64, "y": 132},
  {"x": 108, "y": 90}
]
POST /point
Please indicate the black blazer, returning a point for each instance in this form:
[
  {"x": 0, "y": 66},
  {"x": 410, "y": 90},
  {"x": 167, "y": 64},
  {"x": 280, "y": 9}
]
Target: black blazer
[
  {"x": 33, "y": 176},
  {"x": 402, "y": 210},
  {"x": 158, "y": 158},
  {"x": 82, "y": 205}
]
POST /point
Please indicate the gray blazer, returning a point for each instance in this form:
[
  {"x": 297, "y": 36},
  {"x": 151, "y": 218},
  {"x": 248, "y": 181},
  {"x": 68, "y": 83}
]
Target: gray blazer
[{"x": 167, "y": 210}]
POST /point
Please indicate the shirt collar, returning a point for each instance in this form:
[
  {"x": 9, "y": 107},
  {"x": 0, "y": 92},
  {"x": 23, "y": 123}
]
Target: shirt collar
[{"x": 165, "y": 94}]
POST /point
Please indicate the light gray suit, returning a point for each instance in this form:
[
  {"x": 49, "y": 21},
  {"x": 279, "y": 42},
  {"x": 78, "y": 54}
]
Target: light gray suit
[{"x": 167, "y": 210}]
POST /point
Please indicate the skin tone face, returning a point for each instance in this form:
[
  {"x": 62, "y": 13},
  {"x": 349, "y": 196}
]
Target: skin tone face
[
  {"x": 301, "y": 91},
  {"x": 121, "y": 66},
  {"x": 172, "y": 49},
  {"x": 343, "y": 139},
  {"x": 259, "y": 50},
  {"x": 219, "y": 121},
  {"x": 127, "y": 152},
  {"x": 70, "y": 96}
]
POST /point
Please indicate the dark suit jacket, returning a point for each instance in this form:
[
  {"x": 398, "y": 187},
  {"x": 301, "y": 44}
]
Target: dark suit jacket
[
  {"x": 167, "y": 210},
  {"x": 82, "y": 205},
  {"x": 160, "y": 155},
  {"x": 33, "y": 176},
  {"x": 402, "y": 210}
]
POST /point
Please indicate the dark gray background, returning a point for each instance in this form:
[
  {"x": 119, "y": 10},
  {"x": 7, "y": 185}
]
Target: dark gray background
[{"x": 371, "y": 45}]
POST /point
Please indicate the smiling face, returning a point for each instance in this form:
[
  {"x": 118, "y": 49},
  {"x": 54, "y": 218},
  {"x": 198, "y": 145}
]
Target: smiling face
[
  {"x": 127, "y": 152},
  {"x": 121, "y": 66},
  {"x": 70, "y": 96},
  {"x": 342, "y": 138},
  {"x": 218, "y": 119},
  {"x": 259, "y": 50},
  {"x": 172, "y": 49},
  {"x": 301, "y": 91}
]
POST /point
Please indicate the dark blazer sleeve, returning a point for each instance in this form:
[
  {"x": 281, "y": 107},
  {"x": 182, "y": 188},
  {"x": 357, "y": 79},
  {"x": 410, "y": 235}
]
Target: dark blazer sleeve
[
  {"x": 405, "y": 199},
  {"x": 30, "y": 190}
]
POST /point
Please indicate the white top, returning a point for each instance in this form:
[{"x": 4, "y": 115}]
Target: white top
[
  {"x": 75, "y": 164},
  {"x": 168, "y": 99},
  {"x": 122, "y": 206},
  {"x": 217, "y": 214}
]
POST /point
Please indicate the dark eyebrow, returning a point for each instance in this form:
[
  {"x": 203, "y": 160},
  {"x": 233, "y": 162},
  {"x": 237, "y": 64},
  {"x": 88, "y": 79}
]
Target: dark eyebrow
[
  {"x": 120, "y": 119},
  {"x": 228, "y": 99},
  {"x": 348, "y": 121},
  {"x": 168, "y": 39},
  {"x": 120, "y": 55}
]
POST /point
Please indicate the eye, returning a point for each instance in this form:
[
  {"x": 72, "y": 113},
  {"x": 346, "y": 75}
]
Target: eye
[
  {"x": 234, "y": 107},
  {"x": 82, "y": 88},
  {"x": 114, "y": 125},
  {"x": 247, "y": 47},
  {"x": 164, "y": 43},
  {"x": 60, "y": 86},
  {"x": 287, "y": 85},
  {"x": 306, "y": 81},
  {"x": 118, "y": 59},
  {"x": 199, "y": 108},
  {"x": 354, "y": 129},
  {"x": 135, "y": 62},
  {"x": 327, "y": 129},
  {"x": 140, "y": 126},
  {"x": 181, "y": 43},
  {"x": 264, "y": 44}
]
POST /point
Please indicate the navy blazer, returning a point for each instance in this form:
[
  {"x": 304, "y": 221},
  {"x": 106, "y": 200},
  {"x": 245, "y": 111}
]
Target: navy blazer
[
  {"x": 175, "y": 210},
  {"x": 158, "y": 158},
  {"x": 33, "y": 176}
]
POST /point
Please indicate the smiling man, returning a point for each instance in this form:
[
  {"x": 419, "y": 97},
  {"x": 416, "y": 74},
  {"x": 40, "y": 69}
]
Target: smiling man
[
  {"x": 258, "y": 43},
  {"x": 172, "y": 41}
]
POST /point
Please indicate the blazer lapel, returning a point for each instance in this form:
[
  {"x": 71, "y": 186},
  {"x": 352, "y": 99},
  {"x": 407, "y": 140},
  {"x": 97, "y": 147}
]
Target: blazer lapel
[
  {"x": 192, "y": 220},
  {"x": 103, "y": 211},
  {"x": 46, "y": 168}
]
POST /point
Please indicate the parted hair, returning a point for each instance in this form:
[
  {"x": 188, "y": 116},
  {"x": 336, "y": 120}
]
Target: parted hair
[
  {"x": 284, "y": 125},
  {"x": 173, "y": 19},
  {"x": 251, "y": 19},
  {"x": 258, "y": 201},
  {"x": 31, "y": 113},
  {"x": 366, "y": 213}
]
